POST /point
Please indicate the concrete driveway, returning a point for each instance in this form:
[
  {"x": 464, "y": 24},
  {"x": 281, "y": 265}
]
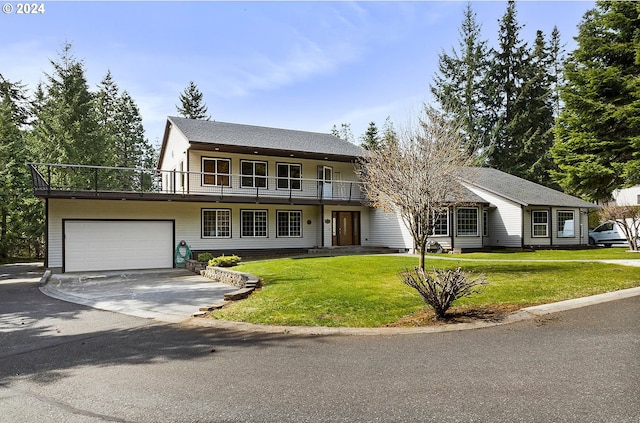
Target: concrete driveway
[{"x": 168, "y": 295}]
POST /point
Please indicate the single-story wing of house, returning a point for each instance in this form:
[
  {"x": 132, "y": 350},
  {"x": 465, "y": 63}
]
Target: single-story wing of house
[{"x": 239, "y": 189}]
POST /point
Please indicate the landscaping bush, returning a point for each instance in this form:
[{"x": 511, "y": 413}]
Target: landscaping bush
[
  {"x": 442, "y": 287},
  {"x": 204, "y": 257},
  {"x": 225, "y": 261}
]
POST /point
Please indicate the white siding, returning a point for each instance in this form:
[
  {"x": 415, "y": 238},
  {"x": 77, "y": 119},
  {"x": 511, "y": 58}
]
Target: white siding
[
  {"x": 175, "y": 154},
  {"x": 627, "y": 196},
  {"x": 187, "y": 216},
  {"x": 505, "y": 220},
  {"x": 388, "y": 230}
]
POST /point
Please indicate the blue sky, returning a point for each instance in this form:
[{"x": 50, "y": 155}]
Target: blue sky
[{"x": 297, "y": 65}]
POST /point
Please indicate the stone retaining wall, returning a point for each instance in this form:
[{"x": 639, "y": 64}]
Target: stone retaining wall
[{"x": 231, "y": 277}]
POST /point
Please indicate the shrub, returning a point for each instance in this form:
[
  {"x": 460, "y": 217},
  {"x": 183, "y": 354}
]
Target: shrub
[
  {"x": 225, "y": 261},
  {"x": 204, "y": 257},
  {"x": 442, "y": 287}
]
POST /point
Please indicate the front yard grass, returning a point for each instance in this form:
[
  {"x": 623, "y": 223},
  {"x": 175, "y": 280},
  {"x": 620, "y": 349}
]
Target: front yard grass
[{"x": 365, "y": 291}]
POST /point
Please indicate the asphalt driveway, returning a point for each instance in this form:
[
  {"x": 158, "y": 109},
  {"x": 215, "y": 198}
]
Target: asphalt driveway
[{"x": 168, "y": 295}]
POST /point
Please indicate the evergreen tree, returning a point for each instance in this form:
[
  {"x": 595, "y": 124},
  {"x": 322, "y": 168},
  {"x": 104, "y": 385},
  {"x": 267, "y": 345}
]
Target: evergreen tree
[
  {"x": 191, "y": 103},
  {"x": 370, "y": 140},
  {"x": 460, "y": 85},
  {"x": 556, "y": 57},
  {"x": 20, "y": 213},
  {"x": 532, "y": 121},
  {"x": 66, "y": 128},
  {"x": 344, "y": 132},
  {"x": 507, "y": 76},
  {"x": 597, "y": 142},
  {"x": 389, "y": 134}
]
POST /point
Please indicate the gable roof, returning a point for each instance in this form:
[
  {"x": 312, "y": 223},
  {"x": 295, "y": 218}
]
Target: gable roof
[
  {"x": 519, "y": 190},
  {"x": 233, "y": 137}
]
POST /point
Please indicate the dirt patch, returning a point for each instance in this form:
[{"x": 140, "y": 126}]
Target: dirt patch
[{"x": 468, "y": 314}]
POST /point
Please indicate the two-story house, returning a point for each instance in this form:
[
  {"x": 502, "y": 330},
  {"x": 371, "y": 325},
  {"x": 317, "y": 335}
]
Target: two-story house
[{"x": 230, "y": 188}]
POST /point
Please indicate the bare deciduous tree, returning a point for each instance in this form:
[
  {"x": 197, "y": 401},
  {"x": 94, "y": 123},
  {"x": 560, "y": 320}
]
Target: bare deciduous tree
[
  {"x": 417, "y": 177},
  {"x": 628, "y": 220}
]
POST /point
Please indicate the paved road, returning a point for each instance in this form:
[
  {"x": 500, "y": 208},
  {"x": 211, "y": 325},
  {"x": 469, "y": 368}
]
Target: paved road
[{"x": 62, "y": 362}]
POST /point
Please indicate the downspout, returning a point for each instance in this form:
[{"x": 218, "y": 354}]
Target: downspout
[
  {"x": 551, "y": 226},
  {"x": 322, "y": 226},
  {"x": 522, "y": 214},
  {"x": 451, "y": 226}
]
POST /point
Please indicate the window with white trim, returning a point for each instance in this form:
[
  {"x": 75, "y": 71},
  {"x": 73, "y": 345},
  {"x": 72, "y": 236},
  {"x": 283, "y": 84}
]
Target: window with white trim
[
  {"x": 289, "y": 176},
  {"x": 540, "y": 223},
  {"x": 254, "y": 223},
  {"x": 566, "y": 224},
  {"x": 216, "y": 172},
  {"x": 289, "y": 223},
  {"x": 216, "y": 223},
  {"x": 253, "y": 174},
  {"x": 441, "y": 224},
  {"x": 467, "y": 221}
]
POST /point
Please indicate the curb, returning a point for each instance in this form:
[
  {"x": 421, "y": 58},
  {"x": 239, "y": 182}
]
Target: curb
[{"x": 528, "y": 313}]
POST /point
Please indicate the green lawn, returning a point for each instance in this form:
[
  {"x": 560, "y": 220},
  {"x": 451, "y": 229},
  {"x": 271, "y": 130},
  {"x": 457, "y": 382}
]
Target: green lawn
[{"x": 365, "y": 291}]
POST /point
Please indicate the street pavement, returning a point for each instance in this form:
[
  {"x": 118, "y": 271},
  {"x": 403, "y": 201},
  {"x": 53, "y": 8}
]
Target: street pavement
[{"x": 64, "y": 362}]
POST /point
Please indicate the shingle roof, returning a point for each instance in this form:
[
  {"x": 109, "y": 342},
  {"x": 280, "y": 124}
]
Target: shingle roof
[
  {"x": 519, "y": 190},
  {"x": 260, "y": 137}
]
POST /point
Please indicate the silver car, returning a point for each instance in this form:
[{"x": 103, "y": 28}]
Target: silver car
[{"x": 607, "y": 234}]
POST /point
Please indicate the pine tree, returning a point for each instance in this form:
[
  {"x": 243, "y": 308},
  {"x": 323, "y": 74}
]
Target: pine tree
[
  {"x": 20, "y": 213},
  {"x": 507, "y": 76},
  {"x": 66, "y": 128},
  {"x": 191, "y": 103},
  {"x": 370, "y": 140},
  {"x": 534, "y": 119},
  {"x": 597, "y": 142},
  {"x": 344, "y": 132},
  {"x": 389, "y": 134},
  {"x": 460, "y": 85}
]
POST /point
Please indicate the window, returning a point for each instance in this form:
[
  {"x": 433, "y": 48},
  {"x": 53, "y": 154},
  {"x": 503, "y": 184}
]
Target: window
[
  {"x": 540, "y": 223},
  {"x": 289, "y": 176},
  {"x": 467, "y": 221},
  {"x": 216, "y": 172},
  {"x": 253, "y": 174},
  {"x": 216, "y": 223},
  {"x": 566, "y": 224},
  {"x": 254, "y": 223},
  {"x": 441, "y": 225},
  {"x": 289, "y": 224}
]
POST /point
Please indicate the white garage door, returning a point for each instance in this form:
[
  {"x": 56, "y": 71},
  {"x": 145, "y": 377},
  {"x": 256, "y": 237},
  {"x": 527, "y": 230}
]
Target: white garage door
[{"x": 91, "y": 245}]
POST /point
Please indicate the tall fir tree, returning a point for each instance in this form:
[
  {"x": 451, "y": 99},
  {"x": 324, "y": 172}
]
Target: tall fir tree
[
  {"x": 506, "y": 78},
  {"x": 389, "y": 134},
  {"x": 370, "y": 140},
  {"x": 191, "y": 103},
  {"x": 597, "y": 142},
  {"x": 344, "y": 132},
  {"x": 66, "y": 129},
  {"x": 460, "y": 85},
  {"x": 534, "y": 119},
  {"x": 21, "y": 215}
]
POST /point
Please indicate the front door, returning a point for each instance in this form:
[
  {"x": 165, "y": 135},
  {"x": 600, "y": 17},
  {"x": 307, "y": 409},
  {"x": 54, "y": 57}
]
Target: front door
[{"x": 345, "y": 228}]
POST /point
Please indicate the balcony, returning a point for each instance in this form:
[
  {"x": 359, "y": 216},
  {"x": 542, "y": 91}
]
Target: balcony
[{"x": 79, "y": 181}]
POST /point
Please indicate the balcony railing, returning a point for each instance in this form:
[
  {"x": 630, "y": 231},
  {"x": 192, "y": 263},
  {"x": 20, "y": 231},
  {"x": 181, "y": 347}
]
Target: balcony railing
[{"x": 51, "y": 179}]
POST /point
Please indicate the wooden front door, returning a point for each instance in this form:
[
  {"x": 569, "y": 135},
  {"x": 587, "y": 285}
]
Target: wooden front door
[{"x": 345, "y": 228}]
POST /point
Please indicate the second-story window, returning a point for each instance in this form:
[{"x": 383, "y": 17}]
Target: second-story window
[
  {"x": 289, "y": 176},
  {"x": 253, "y": 174},
  {"x": 216, "y": 172}
]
